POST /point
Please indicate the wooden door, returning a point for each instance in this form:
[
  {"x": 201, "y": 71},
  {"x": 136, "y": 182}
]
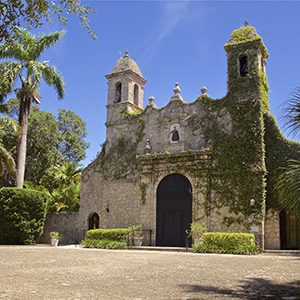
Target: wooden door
[{"x": 174, "y": 211}]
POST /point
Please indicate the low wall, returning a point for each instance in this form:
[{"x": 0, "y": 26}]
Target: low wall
[{"x": 65, "y": 224}]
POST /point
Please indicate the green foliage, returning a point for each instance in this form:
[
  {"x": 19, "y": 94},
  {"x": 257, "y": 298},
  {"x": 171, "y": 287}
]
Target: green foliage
[
  {"x": 48, "y": 140},
  {"x": 243, "y": 34},
  {"x": 22, "y": 215},
  {"x": 279, "y": 151},
  {"x": 7, "y": 163},
  {"x": 55, "y": 235},
  {"x": 103, "y": 244},
  {"x": 197, "y": 230},
  {"x": 115, "y": 234},
  {"x": 24, "y": 52},
  {"x": 73, "y": 130},
  {"x": 292, "y": 112},
  {"x": 120, "y": 160},
  {"x": 288, "y": 186},
  {"x": 35, "y": 12},
  {"x": 229, "y": 243},
  {"x": 66, "y": 182},
  {"x": 136, "y": 231},
  {"x": 143, "y": 188}
]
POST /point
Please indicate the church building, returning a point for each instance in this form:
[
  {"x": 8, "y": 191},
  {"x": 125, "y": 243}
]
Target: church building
[{"x": 208, "y": 161}]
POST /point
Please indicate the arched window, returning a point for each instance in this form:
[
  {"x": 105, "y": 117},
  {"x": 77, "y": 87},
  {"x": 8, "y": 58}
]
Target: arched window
[
  {"x": 118, "y": 92},
  {"x": 243, "y": 66},
  {"x": 94, "y": 221},
  {"x": 136, "y": 95}
]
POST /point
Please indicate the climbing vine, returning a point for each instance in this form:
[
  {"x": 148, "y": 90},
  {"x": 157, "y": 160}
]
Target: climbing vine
[{"x": 243, "y": 141}]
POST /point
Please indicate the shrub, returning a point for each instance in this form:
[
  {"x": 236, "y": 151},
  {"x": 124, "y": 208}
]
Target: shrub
[
  {"x": 22, "y": 215},
  {"x": 116, "y": 234},
  {"x": 103, "y": 244},
  {"x": 230, "y": 243}
]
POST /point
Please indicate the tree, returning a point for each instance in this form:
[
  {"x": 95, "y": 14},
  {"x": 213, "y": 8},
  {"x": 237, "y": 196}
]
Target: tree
[
  {"x": 7, "y": 163},
  {"x": 26, "y": 49},
  {"x": 288, "y": 186},
  {"x": 291, "y": 115},
  {"x": 22, "y": 214},
  {"x": 43, "y": 139},
  {"x": 73, "y": 129},
  {"x": 67, "y": 176},
  {"x": 288, "y": 183},
  {"x": 36, "y": 12}
]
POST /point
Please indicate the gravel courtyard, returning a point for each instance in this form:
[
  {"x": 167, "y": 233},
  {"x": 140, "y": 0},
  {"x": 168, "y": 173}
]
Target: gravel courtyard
[{"x": 43, "y": 272}]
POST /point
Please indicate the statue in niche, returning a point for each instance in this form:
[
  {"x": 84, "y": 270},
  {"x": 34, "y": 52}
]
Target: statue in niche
[{"x": 174, "y": 133}]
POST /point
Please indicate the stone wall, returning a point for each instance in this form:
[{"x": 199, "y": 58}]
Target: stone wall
[
  {"x": 65, "y": 224},
  {"x": 272, "y": 231}
]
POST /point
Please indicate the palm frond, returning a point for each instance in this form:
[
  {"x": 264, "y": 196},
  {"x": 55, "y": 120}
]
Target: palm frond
[
  {"x": 8, "y": 74},
  {"x": 54, "y": 78},
  {"x": 291, "y": 114},
  {"x": 7, "y": 163},
  {"x": 43, "y": 42},
  {"x": 288, "y": 186}
]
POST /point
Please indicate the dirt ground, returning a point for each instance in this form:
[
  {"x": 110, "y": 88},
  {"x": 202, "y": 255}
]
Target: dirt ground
[{"x": 43, "y": 272}]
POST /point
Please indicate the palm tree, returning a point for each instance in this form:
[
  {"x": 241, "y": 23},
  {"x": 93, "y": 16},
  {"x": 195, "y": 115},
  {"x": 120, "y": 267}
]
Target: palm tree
[
  {"x": 288, "y": 183},
  {"x": 288, "y": 186},
  {"x": 66, "y": 176},
  {"x": 7, "y": 163},
  {"x": 292, "y": 112},
  {"x": 25, "y": 50}
]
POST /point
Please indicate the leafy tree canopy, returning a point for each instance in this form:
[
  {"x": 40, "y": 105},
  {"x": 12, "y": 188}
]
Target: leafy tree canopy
[
  {"x": 73, "y": 129},
  {"x": 35, "y": 12},
  {"x": 46, "y": 137}
]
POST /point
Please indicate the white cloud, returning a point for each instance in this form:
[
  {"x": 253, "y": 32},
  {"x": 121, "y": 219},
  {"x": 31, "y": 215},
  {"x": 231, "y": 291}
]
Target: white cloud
[{"x": 173, "y": 13}]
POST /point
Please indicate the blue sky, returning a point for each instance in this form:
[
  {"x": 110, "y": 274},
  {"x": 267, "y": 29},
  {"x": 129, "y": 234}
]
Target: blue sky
[{"x": 171, "y": 41}]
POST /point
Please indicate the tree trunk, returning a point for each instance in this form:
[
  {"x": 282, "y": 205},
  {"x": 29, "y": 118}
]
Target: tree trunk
[{"x": 23, "y": 120}]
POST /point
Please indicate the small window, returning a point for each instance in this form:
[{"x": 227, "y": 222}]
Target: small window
[
  {"x": 136, "y": 95},
  {"x": 243, "y": 66},
  {"x": 118, "y": 92}
]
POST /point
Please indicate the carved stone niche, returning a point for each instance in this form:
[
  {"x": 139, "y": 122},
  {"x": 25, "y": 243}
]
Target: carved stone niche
[{"x": 174, "y": 133}]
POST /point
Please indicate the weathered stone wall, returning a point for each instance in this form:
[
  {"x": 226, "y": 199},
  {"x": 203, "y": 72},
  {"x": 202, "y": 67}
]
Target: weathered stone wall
[
  {"x": 272, "y": 230},
  {"x": 66, "y": 224}
]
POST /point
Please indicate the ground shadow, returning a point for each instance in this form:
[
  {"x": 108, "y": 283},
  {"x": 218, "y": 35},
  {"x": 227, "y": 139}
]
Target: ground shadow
[{"x": 252, "y": 288}]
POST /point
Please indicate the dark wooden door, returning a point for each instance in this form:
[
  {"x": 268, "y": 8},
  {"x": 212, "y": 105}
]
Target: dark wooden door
[
  {"x": 174, "y": 211},
  {"x": 289, "y": 230}
]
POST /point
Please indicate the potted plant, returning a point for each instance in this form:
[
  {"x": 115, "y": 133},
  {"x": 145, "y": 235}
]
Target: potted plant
[
  {"x": 55, "y": 237},
  {"x": 197, "y": 230},
  {"x": 137, "y": 234}
]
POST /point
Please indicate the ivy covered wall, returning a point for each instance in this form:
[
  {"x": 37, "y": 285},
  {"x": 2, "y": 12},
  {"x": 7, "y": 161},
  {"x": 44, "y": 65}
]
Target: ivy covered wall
[{"x": 229, "y": 148}]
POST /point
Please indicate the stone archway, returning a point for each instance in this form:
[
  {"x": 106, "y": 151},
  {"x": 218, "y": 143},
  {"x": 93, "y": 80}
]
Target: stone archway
[
  {"x": 173, "y": 210},
  {"x": 93, "y": 221}
]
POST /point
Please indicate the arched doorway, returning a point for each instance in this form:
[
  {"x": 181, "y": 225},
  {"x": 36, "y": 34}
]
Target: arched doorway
[
  {"x": 94, "y": 221},
  {"x": 173, "y": 210},
  {"x": 289, "y": 230}
]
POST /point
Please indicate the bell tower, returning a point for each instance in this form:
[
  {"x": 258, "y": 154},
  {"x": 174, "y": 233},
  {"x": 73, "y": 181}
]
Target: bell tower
[
  {"x": 125, "y": 87},
  {"x": 246, "y": 65}
]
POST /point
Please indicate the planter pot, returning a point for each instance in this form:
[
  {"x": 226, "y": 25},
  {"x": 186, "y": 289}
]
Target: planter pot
[
  {"x": 138, "y": 241},
  {"x": 54, "y": 242}
]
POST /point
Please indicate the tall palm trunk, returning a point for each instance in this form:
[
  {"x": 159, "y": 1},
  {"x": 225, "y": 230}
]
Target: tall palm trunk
[{"x": 25, "y": 106}]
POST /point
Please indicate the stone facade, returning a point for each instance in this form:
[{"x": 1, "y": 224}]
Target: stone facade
[
  {"x": 166, "y": 167},
  {"x": 272, "y": 231}
]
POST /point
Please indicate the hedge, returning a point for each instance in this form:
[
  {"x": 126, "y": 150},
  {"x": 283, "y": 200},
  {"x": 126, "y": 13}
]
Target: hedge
[
  {"x": 22, "y": 215},
  {"x": 103, "y": 244},
  {"x": 116, "y": 234},
  {"x": 230, "y": 243}
]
